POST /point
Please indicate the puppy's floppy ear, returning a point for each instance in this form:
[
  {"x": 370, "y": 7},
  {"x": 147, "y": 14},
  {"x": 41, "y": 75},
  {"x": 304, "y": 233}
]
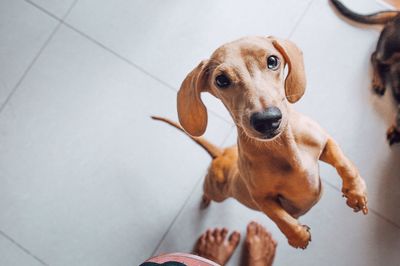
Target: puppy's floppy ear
[
  {"x": 192, "y": 112},
  {"x": 295, "y": 84}
]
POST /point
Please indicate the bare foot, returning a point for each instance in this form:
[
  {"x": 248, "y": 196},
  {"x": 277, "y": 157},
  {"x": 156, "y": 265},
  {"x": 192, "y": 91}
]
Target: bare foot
[
  {"x": 214, "y": 246},
  {"x": 260, "y": 246}
]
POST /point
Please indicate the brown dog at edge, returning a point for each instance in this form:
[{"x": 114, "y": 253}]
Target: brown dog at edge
[
  {"x": 386, "y": 58},
  {"x": 274, "y": 167}
]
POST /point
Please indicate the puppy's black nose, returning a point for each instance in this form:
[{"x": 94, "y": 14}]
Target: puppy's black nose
[{"x": 267, "y": 121}]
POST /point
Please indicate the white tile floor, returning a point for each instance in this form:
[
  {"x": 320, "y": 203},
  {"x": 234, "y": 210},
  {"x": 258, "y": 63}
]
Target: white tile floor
[{"x": 88, "y": 179}]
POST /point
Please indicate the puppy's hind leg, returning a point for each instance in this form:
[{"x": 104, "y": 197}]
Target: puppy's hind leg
[
  {"x": 217, "y": 183},
  {"x": 213, "y": 190}
]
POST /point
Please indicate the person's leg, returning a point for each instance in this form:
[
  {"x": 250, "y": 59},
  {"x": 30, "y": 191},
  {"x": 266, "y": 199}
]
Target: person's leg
[
  {"x": 259, "y": 246},
  {"x": 214, "y": 245}
]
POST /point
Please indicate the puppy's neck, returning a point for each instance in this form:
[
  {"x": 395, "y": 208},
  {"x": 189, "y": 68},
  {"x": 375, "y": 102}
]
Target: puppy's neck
[{"x": 283, "y": 146}]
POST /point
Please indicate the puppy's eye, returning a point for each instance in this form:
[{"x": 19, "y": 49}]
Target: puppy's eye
[
  {"x": 222, "y": 81},
  {"x": 273, "y": 62}
]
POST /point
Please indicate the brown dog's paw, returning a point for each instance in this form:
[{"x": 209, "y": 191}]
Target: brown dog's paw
[
  {"x": 378, "y": 88},
  {"x": 356, "y": 195},
  {"x": 205, "y": 202},
  {"x": 393, "y": 135},
  {"x": 301, "y": 237}
]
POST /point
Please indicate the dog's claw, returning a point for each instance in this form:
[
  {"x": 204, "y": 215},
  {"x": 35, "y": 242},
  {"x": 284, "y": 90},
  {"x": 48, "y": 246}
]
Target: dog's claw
[
  {"x": 378, "y": 90},
  {"x": 205, "y": 202},
  {"x": 302, "y": 238},
  {"x": 393, "y": 135},
  {"x": 356, "y": 195}
]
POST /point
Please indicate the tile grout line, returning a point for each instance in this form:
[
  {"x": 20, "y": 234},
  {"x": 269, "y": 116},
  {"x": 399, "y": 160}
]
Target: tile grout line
[
  {"x": 11, "y": 94},
  {"x": 369, "y": 209},
  {"x": 231, "y": 131},
  {"x": 186, "y": 201},
  {"x": 19, "y": 246},
  {"x": 126, "y": 60},
  {"x": 43, "y": 10},
  {"x": 300, "y": 19}
]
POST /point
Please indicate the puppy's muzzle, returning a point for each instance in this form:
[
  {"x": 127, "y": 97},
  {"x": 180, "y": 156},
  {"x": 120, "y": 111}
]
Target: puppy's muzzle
[{"x": 267, "y": 122}]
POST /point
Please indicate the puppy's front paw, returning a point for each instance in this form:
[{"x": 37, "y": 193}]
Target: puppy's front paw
[
  {"x": 356, "y": 194},
  {"x": 301, "y": 237},
  {"x": 393, "y": 135}
]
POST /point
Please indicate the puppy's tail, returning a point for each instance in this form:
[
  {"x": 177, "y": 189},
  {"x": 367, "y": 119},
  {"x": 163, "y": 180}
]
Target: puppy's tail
[
  {"x": 375, "y": 18},
  {"x": 213, "y": 150}
]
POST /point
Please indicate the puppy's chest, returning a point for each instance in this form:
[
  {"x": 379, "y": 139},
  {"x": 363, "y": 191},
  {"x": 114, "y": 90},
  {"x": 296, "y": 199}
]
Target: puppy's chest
[{"x": 275, "y": 174}]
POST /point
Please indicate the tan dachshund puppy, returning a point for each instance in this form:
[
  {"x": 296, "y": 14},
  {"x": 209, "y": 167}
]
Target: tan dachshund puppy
[{"x": 274, "y": 167}]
